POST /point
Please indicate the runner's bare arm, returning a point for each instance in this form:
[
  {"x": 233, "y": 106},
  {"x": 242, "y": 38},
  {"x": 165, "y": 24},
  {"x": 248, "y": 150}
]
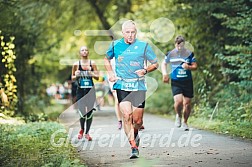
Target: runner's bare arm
[
  {"x": 75, "y": 72},
  {"x": 94, "y": 73},
  {"x": 164, "y": 72},
  {"x": 152, "y": 67},
  {"x": 109, "y": 69},
  {"x": 144, "y": 71}
]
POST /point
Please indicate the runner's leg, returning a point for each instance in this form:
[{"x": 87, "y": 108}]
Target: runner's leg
[
  {"x": 80, "y": 108},
  {"x": 90, "y": 101},
  {"x": 89, "y": 121},
  {"x": 138, "y": 117},
  {"x": 82, "y": 122},
  {"x": 186, "y": 108},
  {"x": 178, "y": 104},
  {"x": 117, "y": 110},
  {"x": 126, "y": 109},
  {"x": 138, "y": 122}
]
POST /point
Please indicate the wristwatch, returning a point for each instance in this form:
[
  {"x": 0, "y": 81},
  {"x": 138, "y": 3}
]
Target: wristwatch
[{"x": 145, "y": 71}]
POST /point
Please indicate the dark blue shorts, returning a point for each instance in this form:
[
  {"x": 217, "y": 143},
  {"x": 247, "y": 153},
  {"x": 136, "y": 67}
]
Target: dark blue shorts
[{"x": 182, "y": 87}]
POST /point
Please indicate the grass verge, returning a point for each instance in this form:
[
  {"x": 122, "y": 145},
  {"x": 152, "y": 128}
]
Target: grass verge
[
  {"x": 30, "y": 145},
  {"x": 235, "y": 129}
]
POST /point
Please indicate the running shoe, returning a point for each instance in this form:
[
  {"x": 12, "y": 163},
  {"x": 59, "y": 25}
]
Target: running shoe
[
  {"x": 80, "y": 135},
  {"x": 87, "y": 136},
  {"x": 119, "y": 125},
  {"x": 134, "y": 153},
  {"x": 178, "y": 121},
  {"x": 185, "y": 126}
]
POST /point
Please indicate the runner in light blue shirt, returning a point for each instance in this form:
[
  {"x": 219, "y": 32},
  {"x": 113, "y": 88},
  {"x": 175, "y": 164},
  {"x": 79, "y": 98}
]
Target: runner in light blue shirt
[
  {"x": 130, "y": 55},
  {"x": 130, "y": 58}
]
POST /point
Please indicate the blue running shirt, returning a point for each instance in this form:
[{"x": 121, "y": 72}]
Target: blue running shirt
[
  {"x": 128, "y": 59},
  {"x": 176, "y": 59}
]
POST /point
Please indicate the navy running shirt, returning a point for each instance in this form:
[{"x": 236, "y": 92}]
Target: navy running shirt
[{"x": 176, "y": 58}]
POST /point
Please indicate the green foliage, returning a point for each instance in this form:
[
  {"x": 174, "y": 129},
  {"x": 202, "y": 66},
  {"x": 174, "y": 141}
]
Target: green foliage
[
  {"x": 54, "y": 110},
  {"x": 236, "y": 58},
  {"x": 34, "y": 109},
  {"x": 40, "y": 110},
  {"x": 8, "y": 70},
  {"x": 23, "y": 24},
  {"x": 236, "y": 55},
  {"x": 162, "y": 97},
  {"x": 29, "y": 145},
  {"x": 236, "y": 106}
]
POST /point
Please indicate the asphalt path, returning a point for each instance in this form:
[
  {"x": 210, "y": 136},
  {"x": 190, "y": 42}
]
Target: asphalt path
[{"x": 161, "y": 145}]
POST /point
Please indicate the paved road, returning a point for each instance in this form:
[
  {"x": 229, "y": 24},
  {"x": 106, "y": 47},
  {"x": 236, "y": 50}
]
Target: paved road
[{"x": 161, "y": 145}]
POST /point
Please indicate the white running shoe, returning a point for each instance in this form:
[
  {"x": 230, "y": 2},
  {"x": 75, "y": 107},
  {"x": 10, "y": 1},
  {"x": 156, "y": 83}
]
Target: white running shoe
[
  {"x": 185, "y": 127},
  {"x": 178, "y": 121}
]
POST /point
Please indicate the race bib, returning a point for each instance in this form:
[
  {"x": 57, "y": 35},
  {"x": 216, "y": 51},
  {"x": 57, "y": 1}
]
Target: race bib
[
  {"x": 181, "y": 73},
  {"x": 130, "y": 86},
  {"x": 85, "y": 83}
]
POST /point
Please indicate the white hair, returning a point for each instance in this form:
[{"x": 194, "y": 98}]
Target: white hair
[{"x": 128, "y": 23}]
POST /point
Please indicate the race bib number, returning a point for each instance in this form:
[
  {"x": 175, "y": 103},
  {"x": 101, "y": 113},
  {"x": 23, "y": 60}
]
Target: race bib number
[
  {"x": 130, "y": 86},
  {"x": 86, "y": 83},
  {"x": 181, "y": 73}
]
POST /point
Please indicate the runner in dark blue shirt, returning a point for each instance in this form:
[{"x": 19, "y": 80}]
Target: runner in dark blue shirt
[{"x": 182, "y": 61}]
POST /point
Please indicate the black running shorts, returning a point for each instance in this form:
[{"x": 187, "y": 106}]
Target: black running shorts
[
  {"x": 137, "y": 98},
  {"x": 182, "y": 87}
]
